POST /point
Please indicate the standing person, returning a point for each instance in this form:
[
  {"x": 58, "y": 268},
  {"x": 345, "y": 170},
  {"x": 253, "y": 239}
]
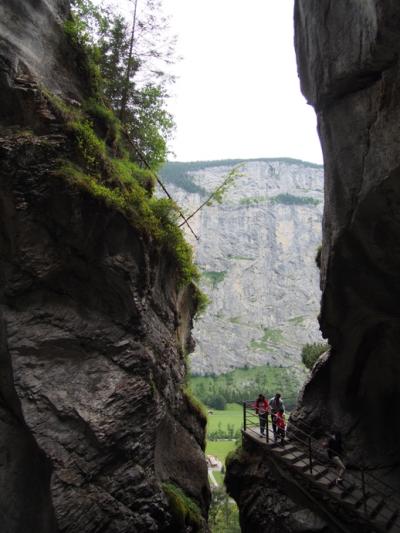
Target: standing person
[
  {"x": 262, "y": 409},
  {"x": 281, "y": 426},
  {"x": 275, "y": 404},
  {"x": 335, "y": 450}
]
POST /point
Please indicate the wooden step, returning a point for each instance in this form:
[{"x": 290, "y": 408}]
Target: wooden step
[
  {"x": 287, "y": 448},
  {"x": 347, "y": 490},
  {"x": 363, "y": 499},
  {"x": 306, "y": 468},
  {"x": 320, "y": 472},
  {"x": 297, "y": 456}
]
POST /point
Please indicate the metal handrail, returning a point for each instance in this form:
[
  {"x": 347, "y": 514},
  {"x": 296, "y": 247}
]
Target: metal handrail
[{"x": 370, "y": 491}]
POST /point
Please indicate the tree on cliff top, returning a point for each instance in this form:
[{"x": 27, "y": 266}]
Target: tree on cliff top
[
  {"x": 311, "y": 352},
  {"x": 133, "y": 64}
]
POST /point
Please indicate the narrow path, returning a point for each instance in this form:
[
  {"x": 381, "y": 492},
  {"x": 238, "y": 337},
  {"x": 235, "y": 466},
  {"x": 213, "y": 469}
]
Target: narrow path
[{"x": 382, "y": 512}]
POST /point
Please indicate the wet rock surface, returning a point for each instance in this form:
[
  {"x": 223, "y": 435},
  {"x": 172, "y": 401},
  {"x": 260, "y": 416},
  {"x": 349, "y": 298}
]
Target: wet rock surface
[{"x": 94, "y": 414}]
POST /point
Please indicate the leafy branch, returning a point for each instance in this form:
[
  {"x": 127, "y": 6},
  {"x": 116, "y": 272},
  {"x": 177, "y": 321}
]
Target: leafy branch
[{"x": 218, "y": 193}]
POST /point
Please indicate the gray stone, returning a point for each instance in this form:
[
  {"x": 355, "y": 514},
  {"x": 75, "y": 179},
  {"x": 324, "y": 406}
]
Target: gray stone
[{"x": 265, "y": 251}]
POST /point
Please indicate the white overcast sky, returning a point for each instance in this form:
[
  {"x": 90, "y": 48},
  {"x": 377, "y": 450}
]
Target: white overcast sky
[{"x": 237, "y": 94}]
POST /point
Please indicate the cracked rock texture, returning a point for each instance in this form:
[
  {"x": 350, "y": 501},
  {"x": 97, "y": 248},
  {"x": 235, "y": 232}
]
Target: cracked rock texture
[
  {"x": 257, "y": 257},
  {"x": 93, "y": 413}
]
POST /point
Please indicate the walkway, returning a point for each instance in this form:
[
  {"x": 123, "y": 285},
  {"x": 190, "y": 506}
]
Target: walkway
[{"x": 372, "y": 503}]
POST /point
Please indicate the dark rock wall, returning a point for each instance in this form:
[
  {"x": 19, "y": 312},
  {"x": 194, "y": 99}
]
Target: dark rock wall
[
  {"x": 348, "y": 62},
  {"x": 94, "y": 416},
  {"x": 25, "y": 503},
  {"x": 33, "y": 44},
  {"x": 348, "y": 59}
]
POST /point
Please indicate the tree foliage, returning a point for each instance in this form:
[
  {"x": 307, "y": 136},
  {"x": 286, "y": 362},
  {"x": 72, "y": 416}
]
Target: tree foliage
[
  {"x": 129, "y": 64},
  {"x": 224, "y": 514},
  {"x": 311, "y": 352}
]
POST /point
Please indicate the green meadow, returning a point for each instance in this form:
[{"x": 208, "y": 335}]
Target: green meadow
[
  {"x": 246, "y": 384},
  {"x": 226, "y": 423},
  {"x": 220, "y": 448}
]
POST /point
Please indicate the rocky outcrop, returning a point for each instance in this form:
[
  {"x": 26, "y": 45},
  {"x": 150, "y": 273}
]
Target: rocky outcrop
[
  {"x": 256, "y": 251},
  {"x": 349, "y": 69},
  {"x": 94, "y": 413}
]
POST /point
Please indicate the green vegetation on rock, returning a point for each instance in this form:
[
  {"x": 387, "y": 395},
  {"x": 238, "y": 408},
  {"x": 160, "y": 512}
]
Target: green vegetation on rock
[
  {"x": 251, "y": 201},
  {"x": 224, "y": 513},
  {"x": 118, "y": 146},
  {"x": 290, "y": 199},
  {"x": 121, "y": 183},
  {"x": 185, "y": 512},
  {"x": 130, "y": 74},
  {"x": 311, "y": 352},
  {"x": 270, "y": 338}
]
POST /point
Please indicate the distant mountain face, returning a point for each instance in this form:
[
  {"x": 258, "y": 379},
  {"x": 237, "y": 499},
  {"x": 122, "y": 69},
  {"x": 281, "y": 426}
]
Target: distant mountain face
[{"x": 257, "y": 257}]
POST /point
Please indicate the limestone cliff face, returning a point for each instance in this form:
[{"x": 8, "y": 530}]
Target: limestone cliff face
[
  {"x": 94, "y": 415},
  {"x": 256, "y": 251}
]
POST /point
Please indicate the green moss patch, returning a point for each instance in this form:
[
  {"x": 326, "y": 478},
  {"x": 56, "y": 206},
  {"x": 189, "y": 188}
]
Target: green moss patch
[
  {"x": 185, "y": 512},
  {"x": 121, "y": 182}
]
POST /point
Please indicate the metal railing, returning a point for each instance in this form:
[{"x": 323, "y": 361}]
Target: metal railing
[{"x": 373, "y": 498}]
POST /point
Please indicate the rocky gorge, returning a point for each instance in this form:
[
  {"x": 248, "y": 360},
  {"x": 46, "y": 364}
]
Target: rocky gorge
[
  {"x": 256, "y": 251},
  {"x": 348, "y": 62},
  {"x": 98, "y": 432}
]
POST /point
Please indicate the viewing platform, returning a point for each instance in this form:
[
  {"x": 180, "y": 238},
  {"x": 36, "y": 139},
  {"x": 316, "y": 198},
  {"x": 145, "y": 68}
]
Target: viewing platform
[{"x": 361, "y": 499}]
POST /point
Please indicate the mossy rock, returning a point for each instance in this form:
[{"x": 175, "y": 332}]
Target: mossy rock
[{"x": 185, "y": 512}]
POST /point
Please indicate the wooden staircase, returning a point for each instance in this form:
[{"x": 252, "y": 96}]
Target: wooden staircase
[{"x": 378, "y": 510}]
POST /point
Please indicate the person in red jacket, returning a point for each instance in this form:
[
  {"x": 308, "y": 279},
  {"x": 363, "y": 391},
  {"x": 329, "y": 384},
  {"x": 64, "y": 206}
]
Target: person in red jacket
[
  {"x": 280, "y": 426},
  {"x": 262, "y": 409}
]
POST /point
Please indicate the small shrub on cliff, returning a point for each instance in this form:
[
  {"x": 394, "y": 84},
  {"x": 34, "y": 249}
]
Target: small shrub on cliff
[
  {"x": 127, "y": 68},
  {"x": 201, "y": 301},
  {"x": 311, "y": 352},
  {"x": 185, "y": 512},
  {"x": 223, "y": 515}
]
